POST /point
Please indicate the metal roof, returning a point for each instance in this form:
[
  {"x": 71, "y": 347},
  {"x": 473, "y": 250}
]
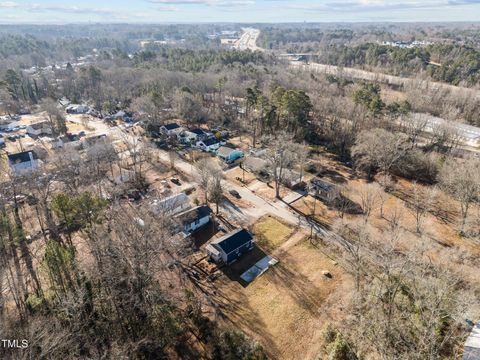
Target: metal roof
[
  {"x": 233, "y": 240},
  {"x": 191, "y": 215}
]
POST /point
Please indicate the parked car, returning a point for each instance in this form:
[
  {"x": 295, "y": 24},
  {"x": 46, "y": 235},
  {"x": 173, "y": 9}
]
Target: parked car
[
  {"x": 175, "y": 181},
  {"x": 235, "y": 193}
]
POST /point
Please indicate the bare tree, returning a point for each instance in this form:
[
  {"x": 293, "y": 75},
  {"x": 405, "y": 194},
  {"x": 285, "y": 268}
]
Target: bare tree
[
  {"x": 369, "y": 199},
  {"x": 420, "y": 204},
  {"x": 280, "y": 156},
  {"x": 208, "y": 171},
  {"x": 462, "y": 180}
]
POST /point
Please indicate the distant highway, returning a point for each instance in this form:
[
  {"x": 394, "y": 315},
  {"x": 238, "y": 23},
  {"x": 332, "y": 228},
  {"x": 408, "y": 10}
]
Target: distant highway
[
  {"x": 248, "y": 40},
  {"x": 384, "y": 78},
  {"x": 470, "y": 134}
]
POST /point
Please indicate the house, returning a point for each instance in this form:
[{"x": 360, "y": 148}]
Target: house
[
  {"x": 40, "y": 128},
  {"x": 255, "y": 165},
  {"x": 210, "y": 145},
  {"x": 472, "y": 345},
  {"x": 321, "y": 188},
  {"x": 171, "y": 129},
  {"x": 77, "y": 109},
  {"x": 23, "y": 162},
  {"x": 231, "y": 246},
  {"x": 194, "y": 219},
  {"x": 92, "y": 140},
  {"x": 228, "y": 154},
  {"x": 65, "y": 141},
  {"x": 292, "y": 179},
  {"x": 194, "y": 135},
  {"x": 173, "y": 204}
]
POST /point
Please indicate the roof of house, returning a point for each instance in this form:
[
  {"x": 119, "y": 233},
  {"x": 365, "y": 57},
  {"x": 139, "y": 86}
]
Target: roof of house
[
  {"x": 255, "y": 163},
  {"x": 22, "y": 157},
  {"x": 172, "y": 202},
  {"x": 232, "y": 240},
  {"x": 210, "y": 141},
  {"x": 191, "y": 215},
  {"x": 322, "y": 184},
  {"x": 472, "y": 345},
  {"x": 171, "y": 126},
  {"x": 225, "y": 151}
]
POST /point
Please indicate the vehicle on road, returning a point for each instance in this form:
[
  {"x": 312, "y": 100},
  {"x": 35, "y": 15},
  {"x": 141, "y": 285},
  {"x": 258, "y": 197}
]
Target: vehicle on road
[{"x": 235, "y": 193}]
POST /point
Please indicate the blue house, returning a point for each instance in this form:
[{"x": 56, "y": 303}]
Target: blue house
[
  {"x": 231, "y": 246},
  {"x": 228, "y": 154}
]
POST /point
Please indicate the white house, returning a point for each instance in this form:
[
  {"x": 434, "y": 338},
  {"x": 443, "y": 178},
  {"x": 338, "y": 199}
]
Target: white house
[
  {"x": 210, "y": 145},
  {"x": 23, "y": 162},
  {"x": 77, "y": 109},
  {"x": 194, "y": 219},
  {"x": 172, "y": 205},
  {"x": 40, "y": 128},
  {"x": 171, "y": 129},
  {"x": 194, "y": 135}
]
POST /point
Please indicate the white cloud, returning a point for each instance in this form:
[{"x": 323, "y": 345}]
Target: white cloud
[{"x": 8, "y": 4}]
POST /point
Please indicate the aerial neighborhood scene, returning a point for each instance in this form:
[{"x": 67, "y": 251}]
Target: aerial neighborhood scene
[{"x": 230, "y": 179}]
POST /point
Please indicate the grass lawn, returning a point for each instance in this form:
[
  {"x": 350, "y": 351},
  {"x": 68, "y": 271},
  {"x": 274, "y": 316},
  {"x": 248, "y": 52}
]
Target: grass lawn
[{"x": 270, "y": 233}]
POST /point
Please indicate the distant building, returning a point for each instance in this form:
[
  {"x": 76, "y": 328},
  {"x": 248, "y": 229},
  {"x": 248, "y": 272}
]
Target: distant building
[
  {"x": 255, "y": 165},
  {"x": 228, "y": 154},
  {"x": 210, "y": 145},
  {"x": 172, "y": 205},
  {"x": 194, "y": 135},
  {"x": 23, "y": 162},
  {"x": 194, "y": 219},
  {"x": 472, "y": 345},
  {"x": 231, "y": 246},
  {"x": 321, "y": 189},
  {"x": 77, "y": 109},
  {"x": 171, "y": 129},
  {"x": 40, "y": 128}
]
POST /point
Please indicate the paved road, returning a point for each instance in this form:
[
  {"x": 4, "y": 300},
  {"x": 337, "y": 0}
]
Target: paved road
[
  {"x": 384, "y": 78},
  {"x": 248, "y": 40},
  {"x": 261, "y": 207}
]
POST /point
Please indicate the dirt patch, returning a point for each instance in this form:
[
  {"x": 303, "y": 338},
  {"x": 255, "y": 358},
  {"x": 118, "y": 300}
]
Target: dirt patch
[
  {"x": 286, "y": 308},
  {"x": 236, "y": 173}
]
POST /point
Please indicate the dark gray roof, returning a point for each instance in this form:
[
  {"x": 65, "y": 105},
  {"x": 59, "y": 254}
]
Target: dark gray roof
[
  {"x": 197, "y": 131},
  {"x": 171, "y": 126},
  {"x": 191, "y": 215},
  {"x": 233, "y": 240},
  {"x": 22, "y": 157},
  {"x": 210, "y": 141}
]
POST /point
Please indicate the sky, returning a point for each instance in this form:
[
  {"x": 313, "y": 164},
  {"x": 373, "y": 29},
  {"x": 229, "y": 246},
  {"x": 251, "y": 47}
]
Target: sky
[{"x": 207, "y": 11}]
